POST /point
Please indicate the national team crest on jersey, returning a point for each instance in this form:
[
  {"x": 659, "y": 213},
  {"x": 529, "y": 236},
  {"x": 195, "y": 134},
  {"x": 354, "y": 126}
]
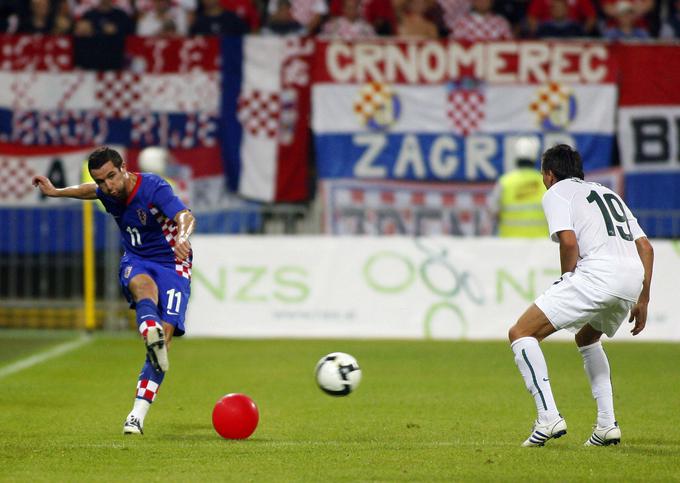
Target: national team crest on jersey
[{"x": 142, "y": 215}]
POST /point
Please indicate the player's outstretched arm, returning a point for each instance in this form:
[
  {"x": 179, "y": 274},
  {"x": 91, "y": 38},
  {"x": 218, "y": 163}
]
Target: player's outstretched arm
[
  {"x": 639, "y": 311},
  {"x": 185, "y": 227},
  {"x": 85, "y": 191}
]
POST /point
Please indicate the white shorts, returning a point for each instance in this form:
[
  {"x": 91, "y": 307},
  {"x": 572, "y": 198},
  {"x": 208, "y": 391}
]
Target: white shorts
[{"x": 570, "y": 304}]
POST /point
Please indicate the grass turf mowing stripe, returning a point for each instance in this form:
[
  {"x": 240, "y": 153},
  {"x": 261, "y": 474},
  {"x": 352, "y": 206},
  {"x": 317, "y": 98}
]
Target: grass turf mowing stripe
[{"x": 46, "y": 355}]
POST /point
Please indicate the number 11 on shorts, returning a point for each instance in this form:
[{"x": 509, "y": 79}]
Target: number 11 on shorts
[{"x": 174, "y": 297}]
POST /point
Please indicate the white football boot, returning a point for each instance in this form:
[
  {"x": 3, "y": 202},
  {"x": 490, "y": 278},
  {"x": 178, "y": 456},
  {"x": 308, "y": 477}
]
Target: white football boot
[
  {"x": 132, "y": 425},
  {"x": 605, "y": 436},
  {"x": 156, "y": 348},
  {"x": 543, "y": 432}
]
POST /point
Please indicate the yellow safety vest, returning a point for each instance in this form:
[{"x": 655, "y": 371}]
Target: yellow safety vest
[{"x": 521, "y": 213}]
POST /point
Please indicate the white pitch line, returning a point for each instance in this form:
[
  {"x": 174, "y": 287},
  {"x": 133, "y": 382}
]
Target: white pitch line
[{"x": 35, "y": 359}]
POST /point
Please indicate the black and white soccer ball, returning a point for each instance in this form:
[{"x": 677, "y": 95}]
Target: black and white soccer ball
[{"x": 338, "y": 374}]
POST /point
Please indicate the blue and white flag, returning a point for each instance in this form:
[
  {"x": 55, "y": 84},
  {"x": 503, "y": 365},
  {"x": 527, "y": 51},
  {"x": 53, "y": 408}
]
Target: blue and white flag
[{"x": 437, "y": 111}]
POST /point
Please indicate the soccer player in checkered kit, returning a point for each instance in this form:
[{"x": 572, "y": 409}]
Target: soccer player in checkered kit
[
  {"x": 606, "y": 263},
  {"x": 155, "y": 269}
]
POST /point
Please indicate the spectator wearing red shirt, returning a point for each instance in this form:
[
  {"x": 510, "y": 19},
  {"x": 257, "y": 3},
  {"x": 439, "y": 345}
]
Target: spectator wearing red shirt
[
  {"x": 379, "y": 13},
  {"x": 481, "y": 24},
  {"x": 581, "y": 11}
]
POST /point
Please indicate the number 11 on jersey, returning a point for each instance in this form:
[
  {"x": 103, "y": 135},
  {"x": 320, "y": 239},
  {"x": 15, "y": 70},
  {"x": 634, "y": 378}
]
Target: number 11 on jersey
[{"x": 135, "y": 237}]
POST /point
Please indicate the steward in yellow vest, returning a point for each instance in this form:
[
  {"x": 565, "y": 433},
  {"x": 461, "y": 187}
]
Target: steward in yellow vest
[{"x": 520, "y": 213}]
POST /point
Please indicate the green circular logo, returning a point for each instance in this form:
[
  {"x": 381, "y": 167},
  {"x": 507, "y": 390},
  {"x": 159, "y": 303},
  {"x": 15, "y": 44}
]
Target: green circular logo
[{"x": 394, "y": 286}]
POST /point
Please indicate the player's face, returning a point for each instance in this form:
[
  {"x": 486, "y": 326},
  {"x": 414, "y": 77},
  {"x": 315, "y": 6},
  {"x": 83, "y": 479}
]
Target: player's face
[{"x": 111, "y": 180}]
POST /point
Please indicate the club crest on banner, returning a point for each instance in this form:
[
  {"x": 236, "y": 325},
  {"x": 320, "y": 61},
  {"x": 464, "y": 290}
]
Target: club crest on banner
[
  {"x": 377, "y": 106},
  {"x": 554, "y": 106},
  {"x": 465, "y": 106}
]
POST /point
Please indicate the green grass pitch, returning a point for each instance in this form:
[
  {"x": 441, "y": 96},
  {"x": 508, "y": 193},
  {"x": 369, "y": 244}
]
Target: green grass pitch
[{"x": 425, "y": 411}]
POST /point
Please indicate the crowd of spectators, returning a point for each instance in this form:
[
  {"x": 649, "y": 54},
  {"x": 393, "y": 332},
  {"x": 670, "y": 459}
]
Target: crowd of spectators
[{"x": 465, "y": 20}]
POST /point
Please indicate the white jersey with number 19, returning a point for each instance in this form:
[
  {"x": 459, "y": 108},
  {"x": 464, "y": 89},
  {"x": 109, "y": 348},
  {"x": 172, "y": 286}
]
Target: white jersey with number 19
[{"x": 605, "y": 230}]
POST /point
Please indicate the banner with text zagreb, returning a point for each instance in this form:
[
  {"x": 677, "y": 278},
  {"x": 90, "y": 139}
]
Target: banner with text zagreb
[
  {"x": 389, "y": 287},
  {"x": 439, "y": 111}
]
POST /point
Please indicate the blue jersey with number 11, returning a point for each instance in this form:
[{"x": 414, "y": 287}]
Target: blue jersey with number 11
[{"x": 146, "y": 218}]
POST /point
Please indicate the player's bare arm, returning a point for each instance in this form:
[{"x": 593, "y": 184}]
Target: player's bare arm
[
  {"x": 639, "y": 311},
  {"x": 568, "y": 250},
  {"x": 85, "y": 191},
  {"x": 185, "y": 227}
]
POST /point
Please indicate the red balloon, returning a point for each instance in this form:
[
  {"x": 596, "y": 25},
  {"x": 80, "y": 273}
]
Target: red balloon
[{"x": 235, "y": 416}]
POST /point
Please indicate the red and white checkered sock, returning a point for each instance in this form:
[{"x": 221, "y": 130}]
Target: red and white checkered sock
[
  {"x": 146, "y": 325},
  {"x": 147, "y": 389}
]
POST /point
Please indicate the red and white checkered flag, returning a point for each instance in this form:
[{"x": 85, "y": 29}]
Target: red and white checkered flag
[
  {"x": 118, "y": 93},
  {"x": 15, "y": 179},
  {"x": 259, "y": 112},
  {"x": 465, "y": 109}
]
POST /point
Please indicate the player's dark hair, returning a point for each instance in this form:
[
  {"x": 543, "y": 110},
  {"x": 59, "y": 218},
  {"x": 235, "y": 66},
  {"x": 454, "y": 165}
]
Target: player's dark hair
[
  {"x": 100, "y": 156},
  {"x": 563, "y": 161}
]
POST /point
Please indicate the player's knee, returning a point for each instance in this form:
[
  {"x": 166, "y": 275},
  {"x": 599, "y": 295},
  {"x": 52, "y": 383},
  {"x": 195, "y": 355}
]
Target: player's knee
[
  {"x": 143, "y": 287},
  {"x": 514, "y": 333},
  {"x": 583, "y": 339}
]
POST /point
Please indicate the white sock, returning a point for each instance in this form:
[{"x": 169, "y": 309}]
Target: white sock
[
  {"x": 531, "y": 364},
  {"x": 139, "y": 409},
  {"x": 597, "y": 368}
]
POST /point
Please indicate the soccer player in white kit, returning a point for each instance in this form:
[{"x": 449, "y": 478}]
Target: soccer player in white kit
[{"x": 606, "y": 263}]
